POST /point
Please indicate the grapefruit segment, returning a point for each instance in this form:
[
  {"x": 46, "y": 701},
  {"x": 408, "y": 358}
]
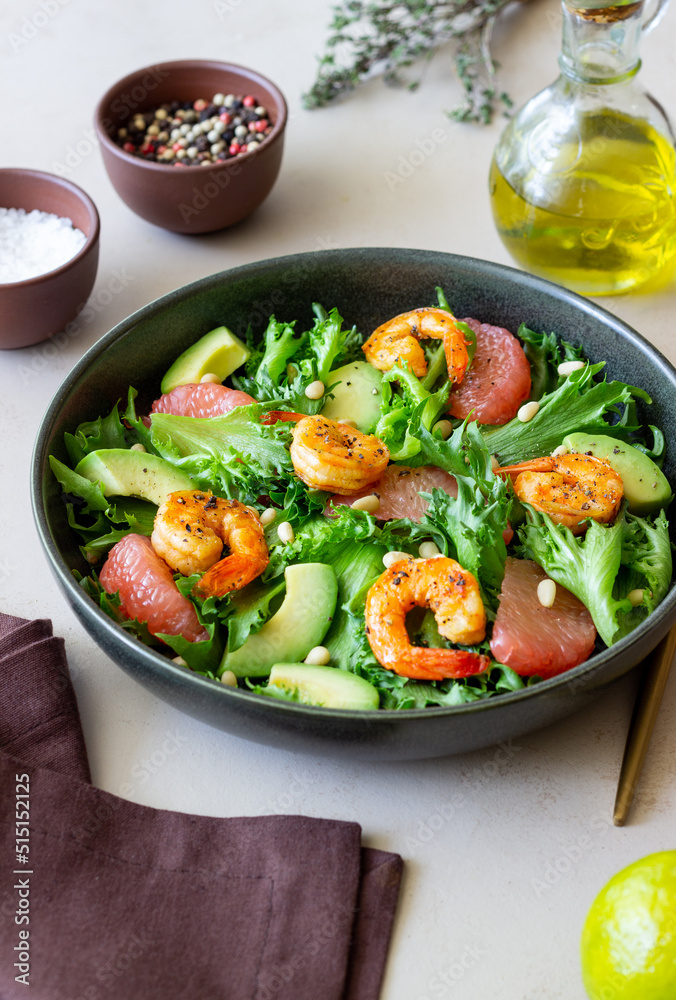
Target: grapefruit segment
[
  {"x": 148, "y": 591},
  {"x": 202, "y": 399},
  {"x": 534, "y": 640},
  {"x": 498, "y": 380},
  {"x": 398, "y": 490}
]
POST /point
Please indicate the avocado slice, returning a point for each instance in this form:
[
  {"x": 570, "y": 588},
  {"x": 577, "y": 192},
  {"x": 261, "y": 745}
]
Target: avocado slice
[
  {"x": 126, "y": 473},
  {"x": 218, "y": 351},
  {"x": 645, "y": 485},
  {"x": 301, "y": 622},
  {"x": 358, "y": 396},
  {"x": 327, "y": 687}
]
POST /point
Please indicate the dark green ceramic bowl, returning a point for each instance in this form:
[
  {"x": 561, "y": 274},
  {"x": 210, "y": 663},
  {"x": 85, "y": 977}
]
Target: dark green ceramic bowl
[{"x": 368, "y": 286}]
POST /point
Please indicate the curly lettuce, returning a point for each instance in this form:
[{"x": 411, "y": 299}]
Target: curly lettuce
[
  {"x": 579, "y": 404},
  {"x": 604, "y": 565}
]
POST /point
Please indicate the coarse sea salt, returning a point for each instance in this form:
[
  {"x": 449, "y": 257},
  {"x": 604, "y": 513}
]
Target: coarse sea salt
[{"x": 33, "y": 243}]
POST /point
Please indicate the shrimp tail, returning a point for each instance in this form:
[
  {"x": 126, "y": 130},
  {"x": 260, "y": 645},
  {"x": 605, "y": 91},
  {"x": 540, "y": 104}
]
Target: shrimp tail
[
  {"x": 545, "y": 464},
  {"x": 231, "y": 573},
  {"x": 442, "y": 664},
  {"x": 273, "y": 416}
]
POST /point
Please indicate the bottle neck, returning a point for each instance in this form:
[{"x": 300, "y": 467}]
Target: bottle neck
[{"x": 600, "y": 43}]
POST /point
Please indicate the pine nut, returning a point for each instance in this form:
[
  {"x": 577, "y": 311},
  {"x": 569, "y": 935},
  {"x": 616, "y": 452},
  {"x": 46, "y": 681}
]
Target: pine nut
[
  {"x": 180, "y": 661},
  {"x": 137, "y": 447},
  {"x": 229, "y": 679},
  {"x": 315, "y": 390},
  {"x": 370, "y": 503},
  {"x": 348, "y": 421},
  {"x": 561, "y": 450},
  {"x": 285, "y": 532},
  {"x": 428, "y": 550},
  {"x": 210, "y": 377},
  {"x": 443, "y": 429},
  {"x": 318, "y": 656},
  {"x": 546, "y": 593},
  {"x": 528, "y": 411},
  {"x": 568, "y": 367},
  {"x": 268, "y": 516},
  {"x": 393, "y": 557},
  {"x": 636, "y": 597}
]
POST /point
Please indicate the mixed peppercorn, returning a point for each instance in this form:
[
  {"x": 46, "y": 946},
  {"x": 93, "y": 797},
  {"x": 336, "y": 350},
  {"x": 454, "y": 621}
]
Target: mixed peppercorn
[{"x": 197, "y": 133}]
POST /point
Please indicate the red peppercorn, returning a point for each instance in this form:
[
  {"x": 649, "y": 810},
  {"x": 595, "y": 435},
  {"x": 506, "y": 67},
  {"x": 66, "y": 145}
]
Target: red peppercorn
[
  {"x": 260, "y": 126},
  {"x": 249, "y": 101},
  {"x": 225, "y": 117},
  {"x": 177, "y": 146},
  {"x": 146, "y": 148},
  {"x": 129, "y": 147},
  {"x": 234, "y": 148},
  {"x": 200, "y": 105},
  {"x": 160, "y": 150}
]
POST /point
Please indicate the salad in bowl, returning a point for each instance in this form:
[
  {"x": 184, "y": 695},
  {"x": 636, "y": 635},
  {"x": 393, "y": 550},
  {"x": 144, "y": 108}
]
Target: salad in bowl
[{"x": 429, "y": 513}]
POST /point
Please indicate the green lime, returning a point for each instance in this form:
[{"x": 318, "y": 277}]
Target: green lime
[{"x": 629, "y": 937}]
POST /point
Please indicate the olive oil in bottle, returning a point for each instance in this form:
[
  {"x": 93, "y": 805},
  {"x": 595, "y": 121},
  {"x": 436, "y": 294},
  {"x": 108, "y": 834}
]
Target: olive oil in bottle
[{"x": 583, "y": 181}]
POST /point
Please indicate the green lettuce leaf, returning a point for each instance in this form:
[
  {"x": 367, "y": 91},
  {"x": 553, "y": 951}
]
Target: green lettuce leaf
[
  {"x": 579, "y": 404},
  {"x": 356, "y": 567},
  {"x": 587, "y": 565},
  {"x": 99, "y": 520},
  {"x": 396, "y": 426},
  {"x": 317, "y": 539},
  {"x": 249, "y": 609},
  {"x": 291, "y": 361},
  {"x": 545, "y": 352},
  {"x": 646, "y": 565},
  {"x": 234, "y": 454},
  {"x": 110, "y": 604},
  {"x": 104, "y": 432}
]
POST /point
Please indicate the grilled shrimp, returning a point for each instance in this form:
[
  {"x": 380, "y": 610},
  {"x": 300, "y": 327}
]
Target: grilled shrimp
[
  {"x": 452, "y": 593},
  {"x": 190, "y": 530},
  {"x": 328, "y": 455},
  {"x": 397, "y": 341},
  {"x": 570, "y": 488}
]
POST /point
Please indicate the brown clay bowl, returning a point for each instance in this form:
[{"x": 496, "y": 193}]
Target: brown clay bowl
[
  {"x": 190, "y": 199},
  {"x": 37, "y": 308}
]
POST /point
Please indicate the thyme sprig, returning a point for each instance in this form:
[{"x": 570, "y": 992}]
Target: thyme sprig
[{"x": 382, "y": 39}]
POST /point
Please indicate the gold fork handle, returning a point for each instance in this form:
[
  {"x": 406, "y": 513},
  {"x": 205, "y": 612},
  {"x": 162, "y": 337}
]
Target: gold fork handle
[{"x": 647, "y": 706}]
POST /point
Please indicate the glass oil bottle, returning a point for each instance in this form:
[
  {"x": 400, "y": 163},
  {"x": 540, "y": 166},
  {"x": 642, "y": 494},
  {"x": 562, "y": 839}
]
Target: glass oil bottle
[{"x": 583, "y": 180}]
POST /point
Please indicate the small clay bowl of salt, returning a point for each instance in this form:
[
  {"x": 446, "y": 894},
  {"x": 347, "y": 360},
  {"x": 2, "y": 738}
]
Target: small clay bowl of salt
[{"x": 49, "y": 253}]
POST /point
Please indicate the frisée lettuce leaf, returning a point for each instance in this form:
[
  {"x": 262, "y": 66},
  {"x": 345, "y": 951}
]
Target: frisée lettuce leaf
[
  {"x": 236, "y": 452},
  {"x": 290, "y": 362},
  {"x": 604, "y": 565},
  {"x": 579, "y": 404}
]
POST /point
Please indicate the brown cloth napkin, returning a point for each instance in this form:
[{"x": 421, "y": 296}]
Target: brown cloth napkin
[{"x": 116, "y": 901}]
